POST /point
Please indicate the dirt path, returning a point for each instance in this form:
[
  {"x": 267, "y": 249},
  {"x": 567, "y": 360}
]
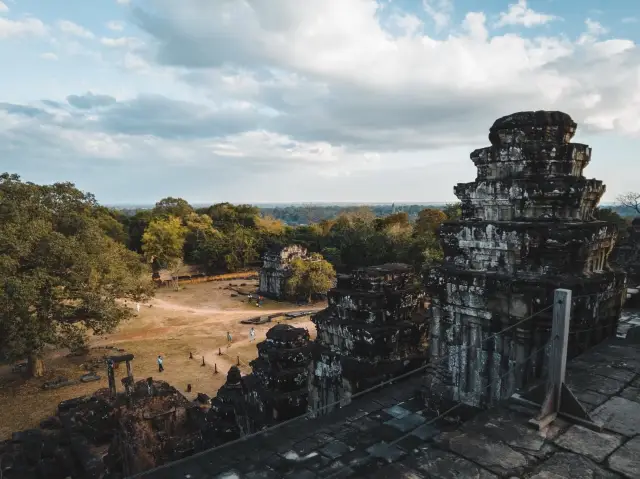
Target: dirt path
[{"x": 194, "y": 320}]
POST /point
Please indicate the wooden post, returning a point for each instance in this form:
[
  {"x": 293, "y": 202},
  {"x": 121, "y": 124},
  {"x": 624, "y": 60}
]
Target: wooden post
[
  {"x": 215, "y": 368},
  {"x": 238, "y": 361},
  {"x": 202, "y": 360}
]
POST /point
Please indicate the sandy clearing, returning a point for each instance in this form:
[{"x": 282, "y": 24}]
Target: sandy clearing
[{"x": 194, "y": 320}]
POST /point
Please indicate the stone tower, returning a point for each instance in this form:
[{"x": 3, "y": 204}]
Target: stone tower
[
  {"x": 527, "y": 228},
  {"x": 278, "y": 385},
  {"x": 373, "y": 329},
  {"x": 276, "y": 269}
]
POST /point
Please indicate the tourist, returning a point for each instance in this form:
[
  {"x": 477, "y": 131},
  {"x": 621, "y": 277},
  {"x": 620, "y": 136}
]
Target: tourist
[
  {"x": 160, "y": 365},
  {"x": 138, "y": 307},
  {"x": 252, "y": 334},
  {"x": 228, "y": 338}
]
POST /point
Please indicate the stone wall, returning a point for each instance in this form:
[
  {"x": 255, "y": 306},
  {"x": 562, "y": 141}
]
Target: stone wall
[
  {"x": 275, "y": 270},
  {"x": 527, "y": 228},
  {"x": 373, "y": 329}
]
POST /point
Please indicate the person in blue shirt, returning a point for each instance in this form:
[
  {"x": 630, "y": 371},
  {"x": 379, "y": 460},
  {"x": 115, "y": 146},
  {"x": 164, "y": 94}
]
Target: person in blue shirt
[{"x": 160, "y": 365}]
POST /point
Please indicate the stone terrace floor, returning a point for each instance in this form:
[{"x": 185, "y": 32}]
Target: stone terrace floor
[{"x": 497, "y": 443}]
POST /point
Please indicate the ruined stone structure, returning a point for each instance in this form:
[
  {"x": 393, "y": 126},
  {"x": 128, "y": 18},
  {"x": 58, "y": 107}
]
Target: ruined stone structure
[
  {"x": 627, "y": 253},
  {"x": 527, "y": 228},
  {"x": 228, "y": 419},
  {"x": 275, "y": 270},
  {"x": 279, "y": 381},
  {"x": 106, "y": 436},
  {"x": 274, "y": 392},
  {"x": 373, "y": 329}
]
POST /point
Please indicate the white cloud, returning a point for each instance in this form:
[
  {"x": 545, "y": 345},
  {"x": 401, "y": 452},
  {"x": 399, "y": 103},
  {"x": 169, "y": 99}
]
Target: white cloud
[
  {"x": 116, "y": 26},
  {"x": 629, "y": 20},
  {"x": 74, "y": 29},
  {"x": 16, "y": 28},
  {"x": 520, "y": 14},
  {"x": 121, "y": 42},
  {"x": 123, "y": 2},
  {"x": 3, "y": 7},
  {"x": 439, "y": 11},
  {"x": 336, "y": 87},
  {"x": 49, "y": 56}
]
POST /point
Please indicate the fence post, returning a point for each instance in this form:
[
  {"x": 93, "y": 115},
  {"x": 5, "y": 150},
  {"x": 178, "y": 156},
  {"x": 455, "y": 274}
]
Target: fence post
[
  {"x": 557, "y": 356},
  {"x": 554, "y": 398}
]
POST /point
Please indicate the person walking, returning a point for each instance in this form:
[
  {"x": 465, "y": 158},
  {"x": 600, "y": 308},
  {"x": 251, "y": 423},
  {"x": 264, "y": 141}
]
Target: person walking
[
  {"x": 138, "y": 307},
  {"x": 252, "y": 334},
  {"x": 228, "y": 339},
  {"x": 160, "y": 365}
]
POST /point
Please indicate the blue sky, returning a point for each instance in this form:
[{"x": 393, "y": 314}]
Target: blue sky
[{"x": 332, "y": 100}]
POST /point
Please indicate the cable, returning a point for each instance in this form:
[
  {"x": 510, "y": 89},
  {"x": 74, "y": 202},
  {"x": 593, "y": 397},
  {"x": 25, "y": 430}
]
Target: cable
[{"x": 339, "y": 402}]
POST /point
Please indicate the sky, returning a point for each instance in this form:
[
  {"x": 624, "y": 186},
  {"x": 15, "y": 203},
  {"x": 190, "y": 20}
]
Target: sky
[{"x": 263, "y": 101}]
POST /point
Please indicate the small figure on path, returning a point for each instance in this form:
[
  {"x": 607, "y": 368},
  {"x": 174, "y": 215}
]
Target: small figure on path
[
  {"x": 252, "y": 334},
  {"x": 160, "y": 366},
  {"x": 228, "y": 338},
  {"x": 138, "y": 307}
]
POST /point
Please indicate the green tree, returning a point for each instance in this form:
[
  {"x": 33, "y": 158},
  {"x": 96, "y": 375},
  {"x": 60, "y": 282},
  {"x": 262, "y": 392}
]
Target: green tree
[
  {"x": 240, "y": 248},
  {"x": 429, "y": 219},
  {"x": 172, "y": 207},
  {"x": 309, "y": 277},
  {"x": 163, "y": 244},
  {"x": 61, "y": 275},
  {"x": 453, "y": 211}
]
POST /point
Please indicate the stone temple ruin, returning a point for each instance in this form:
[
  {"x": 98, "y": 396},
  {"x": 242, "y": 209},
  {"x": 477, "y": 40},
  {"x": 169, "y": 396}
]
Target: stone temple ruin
[
  {"x": 107, "y": 434},
  {"x": 527, "y": 227},
  {"x": 275, "y": 270},
  {"x": 374, "y": 328},
  {"x": 274, "y": 392}
]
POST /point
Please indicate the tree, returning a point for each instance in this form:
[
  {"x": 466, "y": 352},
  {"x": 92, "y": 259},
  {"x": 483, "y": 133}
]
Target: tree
[
  {"x": 61, "y": 275},
  {"x": 310, "y": 276},
  {"x": 240, "y": 248},
  {"x": 172, "y": 207},
  {"x": 429, "y": 219},
  {"x": 630, "y": 200},
  {"x": 453, "y": 210},
  {"x": 163, "y": 244}
]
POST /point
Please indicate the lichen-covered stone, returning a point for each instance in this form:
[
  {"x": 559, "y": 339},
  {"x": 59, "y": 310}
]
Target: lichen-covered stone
[
  {"x": 276, "y": 269},
  {"x": 526, "y": 229},
  {"x": 275, "y": 391},
  {"x": 374, "y": 328}
]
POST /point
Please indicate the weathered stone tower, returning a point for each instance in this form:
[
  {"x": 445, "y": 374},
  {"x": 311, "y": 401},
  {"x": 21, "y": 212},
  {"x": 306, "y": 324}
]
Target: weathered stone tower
[
  {"x": 278, "y": 385},
  {"x": 374, "y": 328},
  {"x": 275, "y": 269},
  {"x": 527, "y": 228}
]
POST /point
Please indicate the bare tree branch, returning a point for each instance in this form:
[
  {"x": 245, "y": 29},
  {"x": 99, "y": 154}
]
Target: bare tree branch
[{"x": 630, "y": 200}]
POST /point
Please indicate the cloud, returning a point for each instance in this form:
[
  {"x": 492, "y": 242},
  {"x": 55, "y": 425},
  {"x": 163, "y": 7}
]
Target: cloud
[
  {"x": 123, "y": 2},
  {"x": 90, "y": 100},
  {"x": 115, "y": 25},
  {"x": 3, "y": 7},
  {"x": 520, "y": 14},
  {"x": 49, "y": 56},
  {"x": 341, "y": 88},
  {"x": 629, "y": 20},
  {"x": 18, "y": 28},
  {"x": 121, "y": 42},
  {"x": 74, "y": 29},
  {"x": 439, "y": 11}
]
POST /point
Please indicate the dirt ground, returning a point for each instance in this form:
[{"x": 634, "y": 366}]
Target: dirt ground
[{"x": 175, "y": 323}]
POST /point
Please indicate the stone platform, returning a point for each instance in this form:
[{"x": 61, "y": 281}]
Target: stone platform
[{"x": 498, "y": 443}]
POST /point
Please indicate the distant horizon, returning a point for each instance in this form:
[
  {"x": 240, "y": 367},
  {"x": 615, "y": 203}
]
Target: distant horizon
[{"x": 305, "y": 203}]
